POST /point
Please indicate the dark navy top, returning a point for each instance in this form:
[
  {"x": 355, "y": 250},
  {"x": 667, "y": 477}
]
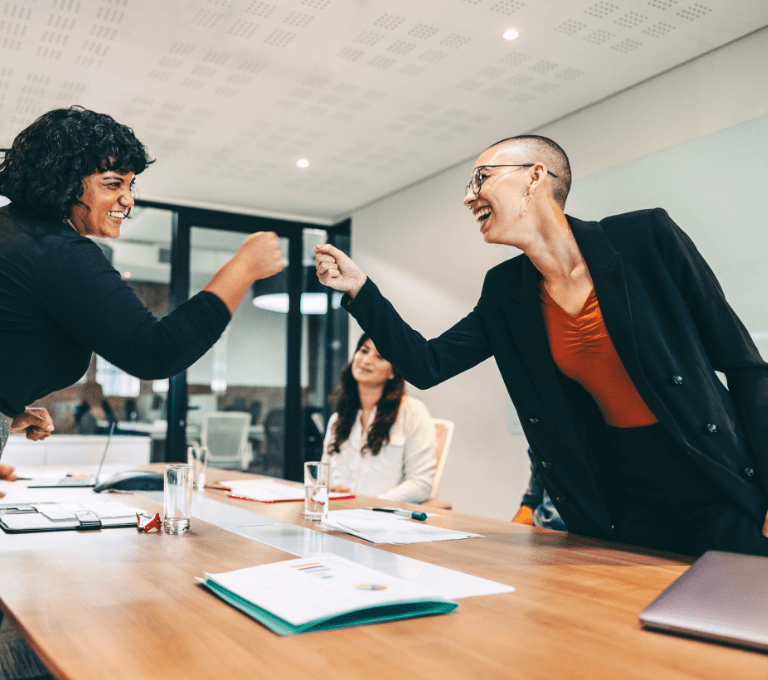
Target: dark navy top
[{"x": 61, "y": 300}]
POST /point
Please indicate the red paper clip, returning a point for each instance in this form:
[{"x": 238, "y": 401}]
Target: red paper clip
[{"x": 149, "y": 524}]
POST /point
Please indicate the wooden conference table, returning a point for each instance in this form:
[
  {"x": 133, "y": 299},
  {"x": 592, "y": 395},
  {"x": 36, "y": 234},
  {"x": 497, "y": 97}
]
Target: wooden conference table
[{"x": 119, "y": 604}]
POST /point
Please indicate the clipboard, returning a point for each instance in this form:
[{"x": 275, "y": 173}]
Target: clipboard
[{"x": 23, "y": 518}]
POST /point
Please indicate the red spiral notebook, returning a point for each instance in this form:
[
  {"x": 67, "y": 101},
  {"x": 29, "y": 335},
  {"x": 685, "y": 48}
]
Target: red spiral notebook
[{"x": 270, "y": 491}]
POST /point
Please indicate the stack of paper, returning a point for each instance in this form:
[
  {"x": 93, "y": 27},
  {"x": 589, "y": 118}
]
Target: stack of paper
[
  {"x": 269, "y": 491},
  {"x": 384, "y": 528},
  {"x": 321, "y": 593}
]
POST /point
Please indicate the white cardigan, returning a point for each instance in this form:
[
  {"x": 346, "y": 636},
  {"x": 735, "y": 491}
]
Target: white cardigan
[{"x": 402, "y": 471}]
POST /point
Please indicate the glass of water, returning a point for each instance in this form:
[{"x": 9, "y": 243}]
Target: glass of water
[
  {"x": 316, "y": 482},
  {"x": 177, "y": 498}
]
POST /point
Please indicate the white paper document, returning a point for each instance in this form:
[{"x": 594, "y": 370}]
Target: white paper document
[
  {"x": 269, "y": 491},
  {"x": 385, "y": 528}
]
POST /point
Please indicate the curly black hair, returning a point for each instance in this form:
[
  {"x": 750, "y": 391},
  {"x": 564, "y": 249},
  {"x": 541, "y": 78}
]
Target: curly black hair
[
  {"x": 348, "y": 404},
  {"x": 43, "y": 170}
]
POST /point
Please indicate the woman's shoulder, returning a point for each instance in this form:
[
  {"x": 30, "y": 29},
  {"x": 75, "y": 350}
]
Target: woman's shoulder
[{"x": 412, "y": 408}]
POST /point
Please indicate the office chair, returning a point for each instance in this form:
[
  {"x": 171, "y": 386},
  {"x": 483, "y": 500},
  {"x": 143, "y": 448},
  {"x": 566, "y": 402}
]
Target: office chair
[
  {"x": 226, "y": 436},
  {"x": 444, "y": 432}
]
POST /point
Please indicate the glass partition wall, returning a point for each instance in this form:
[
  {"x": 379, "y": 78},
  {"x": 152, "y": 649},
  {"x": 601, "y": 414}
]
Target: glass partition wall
[{"x": 265, "y": 386}]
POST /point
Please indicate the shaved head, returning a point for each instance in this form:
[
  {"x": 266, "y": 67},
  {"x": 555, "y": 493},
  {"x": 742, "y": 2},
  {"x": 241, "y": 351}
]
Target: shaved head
[{"x": 535, "y": 149}]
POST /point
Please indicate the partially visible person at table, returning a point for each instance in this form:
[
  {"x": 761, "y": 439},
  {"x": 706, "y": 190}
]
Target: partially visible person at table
[
  {"x": 69, "y": 176},
  {"x": 379, "y": 442},
  {"x": 34, "y": 422},
  {"x": 608, "y": 335}
]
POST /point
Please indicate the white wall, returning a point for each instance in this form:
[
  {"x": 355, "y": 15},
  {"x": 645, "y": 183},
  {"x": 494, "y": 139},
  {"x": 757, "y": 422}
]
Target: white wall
[{"x": 427, "y": 256}]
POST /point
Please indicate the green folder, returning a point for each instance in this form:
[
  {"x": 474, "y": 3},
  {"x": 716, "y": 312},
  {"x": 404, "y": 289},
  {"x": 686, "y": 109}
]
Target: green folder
[{"x": 347, "y": 612}]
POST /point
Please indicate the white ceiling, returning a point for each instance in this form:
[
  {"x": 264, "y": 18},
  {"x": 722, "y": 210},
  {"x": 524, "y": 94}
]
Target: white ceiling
[{"x": 229, "y": 94}]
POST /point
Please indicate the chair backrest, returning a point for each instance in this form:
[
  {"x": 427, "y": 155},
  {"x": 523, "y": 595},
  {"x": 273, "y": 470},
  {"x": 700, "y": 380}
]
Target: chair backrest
[
  {"x": 444, "y": 432},
  {"x": 225, "y": 435}
]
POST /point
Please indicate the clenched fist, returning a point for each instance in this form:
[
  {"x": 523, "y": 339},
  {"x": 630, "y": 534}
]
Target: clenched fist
[
  {"x": 337, "y": 271},
  {"x": 260, "y": 252}
]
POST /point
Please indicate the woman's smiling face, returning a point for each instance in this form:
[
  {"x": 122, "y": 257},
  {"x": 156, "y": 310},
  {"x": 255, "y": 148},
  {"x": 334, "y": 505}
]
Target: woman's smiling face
[
  {"x": 107, "y": 201},
  {"x": 369, "y": 368}
]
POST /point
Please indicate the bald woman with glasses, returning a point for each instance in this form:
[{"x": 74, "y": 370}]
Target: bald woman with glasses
[{"x": 608, "y": 335}]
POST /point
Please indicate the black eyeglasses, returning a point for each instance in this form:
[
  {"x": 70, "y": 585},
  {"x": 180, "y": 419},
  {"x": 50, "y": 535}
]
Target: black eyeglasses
[{"x": 476, "y": 182}]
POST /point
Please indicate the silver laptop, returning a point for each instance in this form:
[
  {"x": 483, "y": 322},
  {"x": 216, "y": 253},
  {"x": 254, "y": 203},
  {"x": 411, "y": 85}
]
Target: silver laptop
[
  {"x": 75, "y": 482},
  {"x": 722, "y": 597}
]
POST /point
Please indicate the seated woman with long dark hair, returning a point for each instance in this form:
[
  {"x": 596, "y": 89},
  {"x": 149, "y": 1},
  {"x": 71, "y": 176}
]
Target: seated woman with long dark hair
[{"x": 379, "y": 442}]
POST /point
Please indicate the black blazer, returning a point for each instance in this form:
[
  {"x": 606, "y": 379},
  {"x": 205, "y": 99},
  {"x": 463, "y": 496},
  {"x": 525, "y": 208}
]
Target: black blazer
[{"x": 672, "y": 328}]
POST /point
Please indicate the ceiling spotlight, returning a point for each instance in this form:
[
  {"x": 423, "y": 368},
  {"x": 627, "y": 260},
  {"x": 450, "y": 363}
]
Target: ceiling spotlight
[
  {"x": 302, "y": 163},
  {"x": 511, "y": 34},
  {"x": 126, "y": 275}
]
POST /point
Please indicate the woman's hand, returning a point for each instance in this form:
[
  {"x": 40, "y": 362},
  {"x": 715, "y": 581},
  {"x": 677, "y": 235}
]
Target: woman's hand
[
  {"x": 336, "y": 270},
  {"x": 260, "y": 252},
  {"x": 258, "y": 258},
  {"x": 339, "y": 488},
  {"x": 6, "y": 473},
  {"x": 36, "y": 423}
]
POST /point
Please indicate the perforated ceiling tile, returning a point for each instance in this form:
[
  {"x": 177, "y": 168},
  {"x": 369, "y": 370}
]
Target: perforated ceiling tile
[
  {"x": 627, "y": 45},
  {"x": 570, "y": 27},
  {"x": 455, "y": 40},
  {"x": 662, "y": 4},
  {"x": 389, "y": 21},
  {"x": 544, "y": 87},
  {"x": 495, "y": 92},
  {"x": 630, "y": 20},
  {"x": 401, "y": 47},
  {"x": 515, "y": 58},
  {"x": 491, "y": 72},
  {"x": 206, "y": 18},
  {"x": 518, "y": 80},
  {"x": 695, "y": 11},
  {"x": 260, "y": 9},
  {"x": 349, "y": 54},
  {"x": 599, "y": 37},
  {"x": 279, "y": 38},
  {"x": 507, "y": 6},
  {"x": 543, "y": 66},
  {"x": 432, "y": 56},
  {"x": 368, "y": 38},
  {"x": 601, "y": 9},
  {"x": 243, "y": 29},
  {"x": 569, "y": 74},
  {"x": 412, "y": 70},
  {"x": 381, "y": 62},
  {"x": 423, "y": 31},
  {"x": 469, "y": 85},
  {"x": 658, "y": 30}
]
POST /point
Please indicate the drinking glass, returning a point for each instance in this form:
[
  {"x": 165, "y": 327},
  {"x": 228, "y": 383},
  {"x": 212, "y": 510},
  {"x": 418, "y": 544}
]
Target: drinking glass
[
  {"x": 177, "y": 498},
  {"x": 316, "y": 481}
]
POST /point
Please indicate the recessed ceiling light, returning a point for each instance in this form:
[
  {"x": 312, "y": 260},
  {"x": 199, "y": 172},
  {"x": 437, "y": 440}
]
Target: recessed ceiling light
[
  {"x": 302, "y": 163},
  {"x": 126, "y": 275},
  {"x": 511, "y": 34}
]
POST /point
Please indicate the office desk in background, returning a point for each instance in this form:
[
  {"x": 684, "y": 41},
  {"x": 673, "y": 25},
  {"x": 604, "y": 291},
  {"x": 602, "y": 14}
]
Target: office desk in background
[{"x": 119, "y": 604}]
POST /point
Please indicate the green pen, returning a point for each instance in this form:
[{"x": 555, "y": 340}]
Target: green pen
[{"x": 403, "y": 513}]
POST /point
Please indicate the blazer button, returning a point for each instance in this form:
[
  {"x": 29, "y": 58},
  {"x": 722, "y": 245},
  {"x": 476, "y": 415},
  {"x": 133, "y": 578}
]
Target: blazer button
[
  {"x": 561, "y": 499},
  {"x": 534, "y": 420},
  {"x": 749, "y": 472},
  {"x": 546, "y": 464},
  {"x": 676, "y": 380},
  {"x": 711, "y": 428}
]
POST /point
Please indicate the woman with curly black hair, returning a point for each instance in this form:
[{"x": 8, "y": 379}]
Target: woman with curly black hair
[
  {"x": 379, "y": 442},
  {"x": 69, "y": 176}
]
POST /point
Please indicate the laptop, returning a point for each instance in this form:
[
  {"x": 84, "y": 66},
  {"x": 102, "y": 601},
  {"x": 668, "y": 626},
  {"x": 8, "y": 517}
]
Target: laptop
[
  {"x": 722, "y": 597},
  {"x": 75, "y": 482}
]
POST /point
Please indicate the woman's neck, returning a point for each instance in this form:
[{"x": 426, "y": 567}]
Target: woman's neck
[{"x": 369, "y": 397}]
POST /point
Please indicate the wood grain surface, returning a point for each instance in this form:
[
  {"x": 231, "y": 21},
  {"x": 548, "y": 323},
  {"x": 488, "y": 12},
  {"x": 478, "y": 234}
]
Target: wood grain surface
[{"x": 118, "y": 604}]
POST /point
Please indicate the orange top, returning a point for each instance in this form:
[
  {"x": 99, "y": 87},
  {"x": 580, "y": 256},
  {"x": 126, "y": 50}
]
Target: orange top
[{"x": 583, "y": 350}]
